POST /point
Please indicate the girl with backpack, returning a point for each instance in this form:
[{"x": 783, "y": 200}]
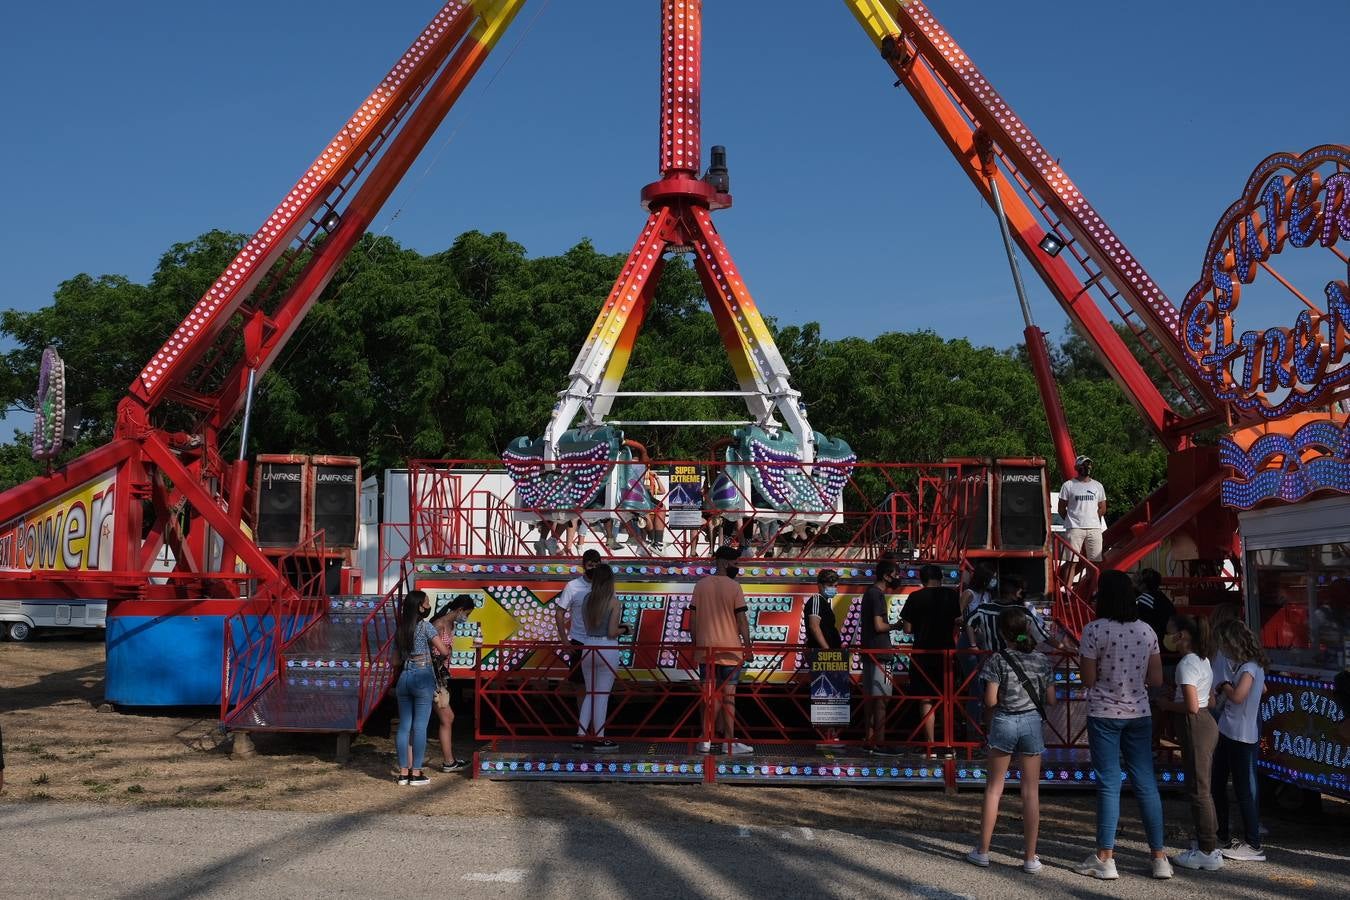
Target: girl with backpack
[{"x": 1017, "y": 687}]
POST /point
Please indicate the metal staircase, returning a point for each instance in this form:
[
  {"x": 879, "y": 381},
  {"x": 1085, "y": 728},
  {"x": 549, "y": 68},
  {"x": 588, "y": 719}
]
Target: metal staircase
[{"x": 328, "y": 675}]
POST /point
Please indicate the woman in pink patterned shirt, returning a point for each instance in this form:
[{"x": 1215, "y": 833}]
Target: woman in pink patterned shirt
[{"x": 1120, "y": 661}]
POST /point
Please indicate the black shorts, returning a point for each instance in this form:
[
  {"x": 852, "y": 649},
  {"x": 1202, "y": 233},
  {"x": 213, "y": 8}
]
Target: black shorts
[{"x": 926, "y": 674}]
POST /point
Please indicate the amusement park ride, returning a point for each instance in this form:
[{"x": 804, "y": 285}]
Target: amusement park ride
[{"x": 94, "y": 527}]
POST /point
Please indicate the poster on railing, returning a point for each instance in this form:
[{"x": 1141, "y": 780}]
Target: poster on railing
[
  {"x": 685, "y": 500},
  {"x": 830, "y": 685}
]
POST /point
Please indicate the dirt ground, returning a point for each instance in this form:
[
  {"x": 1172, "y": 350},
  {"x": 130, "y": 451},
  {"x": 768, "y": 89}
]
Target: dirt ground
[{"x": 59, "y": 747}]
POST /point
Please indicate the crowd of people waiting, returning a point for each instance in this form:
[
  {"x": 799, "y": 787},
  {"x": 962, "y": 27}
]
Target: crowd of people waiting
[
  {"x": 1218, "y": 685},
  {"x": 1219, "y": 680}
]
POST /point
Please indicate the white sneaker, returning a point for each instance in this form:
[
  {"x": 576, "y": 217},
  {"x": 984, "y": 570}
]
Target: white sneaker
[
  {"x": 703, "y": 747},
  {"x": 1104, "y": 869},
  {"x": 1161, "y": 867},
  {"x": 976, "y": 858},
  {"x": 1032, "y": 866},
  {"x": 738, "y": 749},
  {"x": 1196, "y": 859},
  {"x": 1243, "y": 851}
]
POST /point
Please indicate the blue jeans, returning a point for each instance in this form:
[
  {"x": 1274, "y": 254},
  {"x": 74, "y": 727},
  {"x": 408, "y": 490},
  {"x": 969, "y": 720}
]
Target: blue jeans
[
  {"x": 415, "y": 691},
  {"x": 1129, "y": 743},
  {"x": 1239, "y": 760}
]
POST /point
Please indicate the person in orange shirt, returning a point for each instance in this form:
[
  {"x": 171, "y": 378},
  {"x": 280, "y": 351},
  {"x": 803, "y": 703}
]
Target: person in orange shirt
[{"x": 719, "y": 622}]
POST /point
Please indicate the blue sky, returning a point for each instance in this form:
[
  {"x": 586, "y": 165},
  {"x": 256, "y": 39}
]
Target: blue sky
[{"x": 135, "y": 125}]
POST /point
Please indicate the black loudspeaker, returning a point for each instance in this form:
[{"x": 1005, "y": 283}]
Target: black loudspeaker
[
  {"x": 1022, "y": 508},
  {"x": 974, "y": 508},
  {"x": 314, "y": 576},
  {"x": 336, "y": 500},
  {"x": 280, "y": 498}
]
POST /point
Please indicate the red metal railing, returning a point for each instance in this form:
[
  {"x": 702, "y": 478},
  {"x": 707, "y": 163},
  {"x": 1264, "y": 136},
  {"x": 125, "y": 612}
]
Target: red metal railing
[
  {"x": 535, "y": 689},
  {"x": 377, "y": 651},
  {"x": 469, "y": 509},
  {"x": 256, "y": 635},
  {"x": 1073, "y": 585}
]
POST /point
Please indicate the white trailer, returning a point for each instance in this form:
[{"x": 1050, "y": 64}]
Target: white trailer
[{"x": 21, "y": 619}]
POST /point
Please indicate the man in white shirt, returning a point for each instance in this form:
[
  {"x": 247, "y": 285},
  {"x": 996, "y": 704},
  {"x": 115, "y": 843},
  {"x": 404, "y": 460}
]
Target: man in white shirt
[{"x": 1082, "y": 504}]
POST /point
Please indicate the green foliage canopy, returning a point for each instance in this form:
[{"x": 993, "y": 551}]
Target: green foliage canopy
[{"x": 453, "y": 354}]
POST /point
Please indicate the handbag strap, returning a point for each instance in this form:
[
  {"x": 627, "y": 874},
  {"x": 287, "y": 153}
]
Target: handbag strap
[{"x": 1027, "y": 686}]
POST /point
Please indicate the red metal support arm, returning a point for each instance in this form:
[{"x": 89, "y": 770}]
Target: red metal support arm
[
  {"x": 384, "y": 177},
  {"x": 1054, "y": 408},
  {"x": 969, "y": 116},
  {"x": 196, "y": 333}
]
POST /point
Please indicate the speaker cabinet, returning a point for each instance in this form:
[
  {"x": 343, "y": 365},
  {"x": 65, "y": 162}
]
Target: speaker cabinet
[
  {"x": 279, "y": 500},
  {"x": 336, "y": 499},
  {"x": 1023, "y": 507},
  {"x": 973, "y": 508}
]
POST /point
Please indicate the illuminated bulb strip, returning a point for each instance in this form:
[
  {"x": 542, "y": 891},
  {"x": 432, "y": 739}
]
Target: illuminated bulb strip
[
  {"x": 755, "y": 335},
  {"x": 642, "y": 260},
  {"x": 275, "y": 232},
  {"x": 1130, "y": 276},
  {"x": 681, "y": 73}
]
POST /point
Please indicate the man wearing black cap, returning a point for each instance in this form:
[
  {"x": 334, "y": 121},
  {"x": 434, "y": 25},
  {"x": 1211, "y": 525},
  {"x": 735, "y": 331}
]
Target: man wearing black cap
[
  {"x": 1082, "y": 504},
  {"x": 719, "y": 623}
]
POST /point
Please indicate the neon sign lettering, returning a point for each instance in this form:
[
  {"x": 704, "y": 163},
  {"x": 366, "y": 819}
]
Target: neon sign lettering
[{"x": 1289, "y": 202}]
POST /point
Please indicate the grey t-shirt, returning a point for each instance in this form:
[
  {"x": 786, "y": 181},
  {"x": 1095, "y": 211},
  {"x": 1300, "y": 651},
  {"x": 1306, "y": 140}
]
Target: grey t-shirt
[
  {"x": 1241, "y": 721},
  {"x": 1012, "y": 696}
]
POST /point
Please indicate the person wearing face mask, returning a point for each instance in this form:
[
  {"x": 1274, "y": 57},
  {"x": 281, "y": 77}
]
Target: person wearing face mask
[
  {"x": 1082, "y": 504},
  {"x": 416, "y": 688},
  {"x": 1198, "y": 734},
  {"x": 877, "y": 657},
  {"x": 930, "y": 615},
  {"x": 982, "y": 628},
  {"x": 822, "y": 630},
  {"x": 445, "y": 620},
  {"x": 720, "y": 624}
]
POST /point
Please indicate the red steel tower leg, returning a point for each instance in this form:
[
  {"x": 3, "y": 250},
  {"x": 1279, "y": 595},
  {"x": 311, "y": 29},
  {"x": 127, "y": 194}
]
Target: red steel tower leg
[{"x": 200, "y": 372}]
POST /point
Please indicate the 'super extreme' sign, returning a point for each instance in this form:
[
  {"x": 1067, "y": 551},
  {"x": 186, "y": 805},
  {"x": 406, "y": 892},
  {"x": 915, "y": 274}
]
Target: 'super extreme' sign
[{"x": 1300, "y": 735}]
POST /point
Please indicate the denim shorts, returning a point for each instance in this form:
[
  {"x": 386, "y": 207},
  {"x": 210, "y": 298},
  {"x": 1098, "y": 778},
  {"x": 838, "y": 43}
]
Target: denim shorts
[{"x": 1017, "y": 733}]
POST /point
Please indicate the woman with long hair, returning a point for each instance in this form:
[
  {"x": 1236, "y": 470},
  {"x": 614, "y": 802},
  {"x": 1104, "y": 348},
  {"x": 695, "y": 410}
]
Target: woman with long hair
[
  {"x": 1018, "y": 688},
  {"x": 416, "y": 688},
  {"x": 1197, "y": 733},
  {"x": 1119, "y": 660},
  {"x": 1238, "y": 698},
  {"x": 979, "y": 590},
  {"x": 445, "y": 620},
  {"x": 599, "y": 658}
]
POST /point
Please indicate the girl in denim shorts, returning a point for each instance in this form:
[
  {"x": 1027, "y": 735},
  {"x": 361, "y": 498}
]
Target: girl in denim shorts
[{"x": 1017, "y": 687}]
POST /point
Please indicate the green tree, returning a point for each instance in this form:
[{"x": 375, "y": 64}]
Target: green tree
[{"x": 454, "y": 354}]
